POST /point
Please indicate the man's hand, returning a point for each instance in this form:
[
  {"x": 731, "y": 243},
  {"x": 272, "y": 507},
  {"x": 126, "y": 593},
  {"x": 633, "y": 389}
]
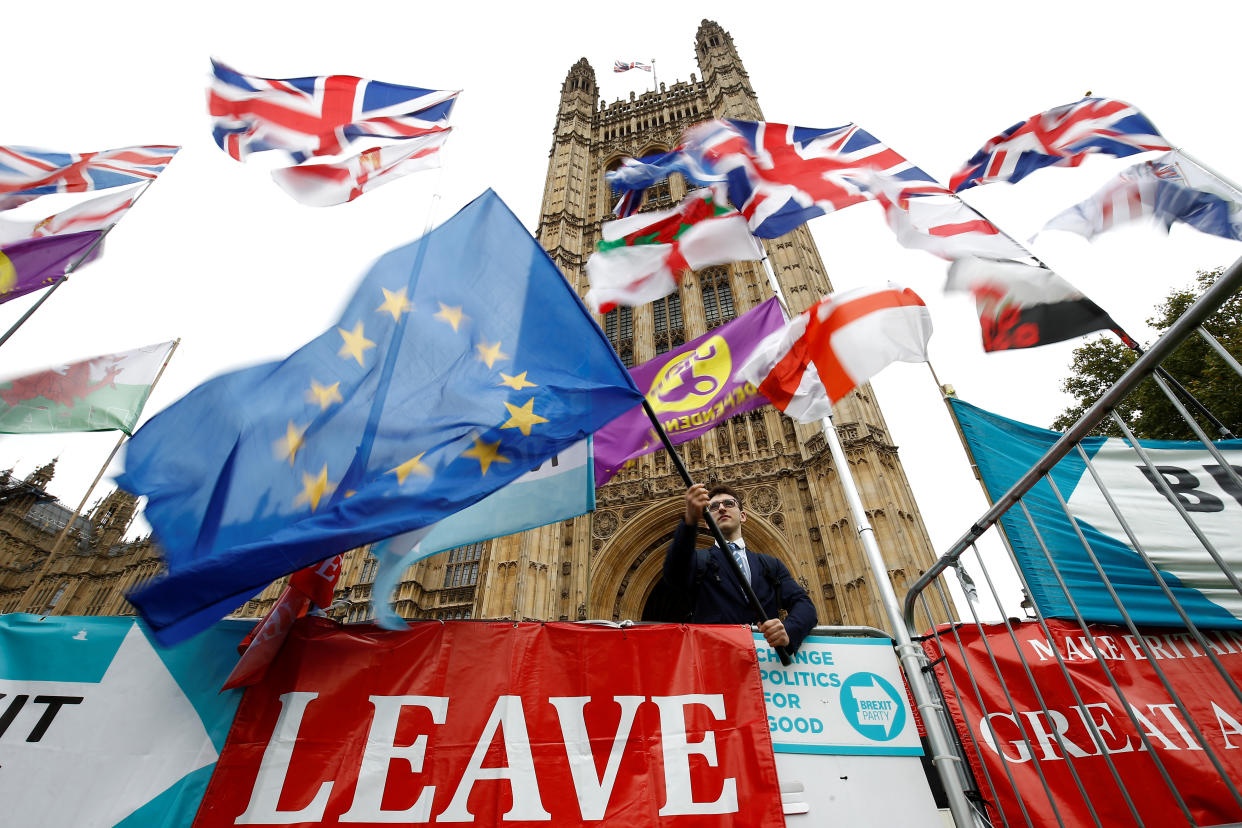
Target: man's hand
[
  {"x": 696, "y": 503},
  {"x": 774, "y": 631}
]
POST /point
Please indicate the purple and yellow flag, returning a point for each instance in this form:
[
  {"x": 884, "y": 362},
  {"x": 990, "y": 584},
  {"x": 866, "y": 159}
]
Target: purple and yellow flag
[
  {"x": 31, "y": 265},
  {"x": 692, "y": 390}
]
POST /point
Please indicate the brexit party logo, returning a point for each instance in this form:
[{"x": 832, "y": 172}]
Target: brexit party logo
[{"x": 872, "y": 706}]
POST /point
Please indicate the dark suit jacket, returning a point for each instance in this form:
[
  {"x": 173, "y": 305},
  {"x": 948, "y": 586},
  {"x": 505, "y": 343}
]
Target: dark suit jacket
[{"x": 718, "y": 598}]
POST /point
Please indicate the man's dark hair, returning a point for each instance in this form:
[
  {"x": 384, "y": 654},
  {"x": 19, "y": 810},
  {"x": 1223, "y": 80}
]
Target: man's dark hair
[{"x": 725, "y": 490}]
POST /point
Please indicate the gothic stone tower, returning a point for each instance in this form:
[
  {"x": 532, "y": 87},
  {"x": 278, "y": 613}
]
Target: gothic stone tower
[{"x": 607, "y": 565}]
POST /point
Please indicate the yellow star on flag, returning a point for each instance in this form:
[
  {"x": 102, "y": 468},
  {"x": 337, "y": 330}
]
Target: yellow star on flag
[
  {"x": 517, "y": 383},
  {"x": 488, "y": 354},
  {"x": 451, "y": 315},
  {"x": 355, "y": 344},
  {"x": 314, "y": 487},
  {"x": 523, "y": 417},
  {"x": 396, "y": 303},
  {"x": 414, "y": 465},
  {"x": 324, "y": 395},
  {"x": 293, "y": 440},
  {"x": 485, "y": 453}
]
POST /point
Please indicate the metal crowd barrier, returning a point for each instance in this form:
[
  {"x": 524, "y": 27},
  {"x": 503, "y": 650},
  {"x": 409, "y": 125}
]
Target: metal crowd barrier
[{"x": 1070, "y": 787}]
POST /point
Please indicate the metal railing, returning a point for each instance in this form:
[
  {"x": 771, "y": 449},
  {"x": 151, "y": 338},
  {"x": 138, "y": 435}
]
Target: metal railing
[{"x": 1050, "y": 727}]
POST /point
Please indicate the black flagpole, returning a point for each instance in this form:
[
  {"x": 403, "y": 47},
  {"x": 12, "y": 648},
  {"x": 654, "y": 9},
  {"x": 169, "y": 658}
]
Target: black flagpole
[
  {"x": 72, "y": 268},
  {"x": 1133, "y": 345},
  {"x": 747, "y": 589}
]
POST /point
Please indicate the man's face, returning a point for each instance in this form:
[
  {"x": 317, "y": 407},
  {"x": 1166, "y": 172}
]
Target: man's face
[{"x": 728, "y": 514}]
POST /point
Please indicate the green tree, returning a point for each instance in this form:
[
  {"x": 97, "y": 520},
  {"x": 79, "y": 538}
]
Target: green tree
[{"x": 1147, "y": 412}]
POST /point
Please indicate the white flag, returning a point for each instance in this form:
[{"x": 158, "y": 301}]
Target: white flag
[
  {"x": 323, "y": 185},
  {"x": 92, "y": 214}
]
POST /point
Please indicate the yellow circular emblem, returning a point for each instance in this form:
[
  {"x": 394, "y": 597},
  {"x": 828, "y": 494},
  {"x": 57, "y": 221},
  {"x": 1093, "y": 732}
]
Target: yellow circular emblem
[
  {"x": 690, "y": 381},
  {"x": 8, "y": 274}
]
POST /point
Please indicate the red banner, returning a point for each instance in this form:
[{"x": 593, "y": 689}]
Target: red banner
[
  {"x": 501, "y": 723},
  {"x": 1062, "y": 735}
]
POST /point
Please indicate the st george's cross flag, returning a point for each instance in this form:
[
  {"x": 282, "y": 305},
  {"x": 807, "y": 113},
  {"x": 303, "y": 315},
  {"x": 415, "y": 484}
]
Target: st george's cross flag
[
  {"x": 104, "y": 393},
  {"x": 781, "y": 176},
  {"x": 1063, "y": 136},
  {"x": 642, "y": 258},
  {"x": 327, "y": 184},
  {"x": 27, "y": 173},
  {"x": 463, "y": 361},
  {"x": 317, "y": 116},
  {"x": 837, "y": 344}
]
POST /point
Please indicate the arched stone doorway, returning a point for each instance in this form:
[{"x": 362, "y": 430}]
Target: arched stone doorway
[{"x": 626, "y": 575}]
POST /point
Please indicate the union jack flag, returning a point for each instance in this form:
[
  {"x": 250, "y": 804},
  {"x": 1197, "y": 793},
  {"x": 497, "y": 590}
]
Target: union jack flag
[
  {"x": 317, "y": 116},
  {"x": 782, "y": 176},
  {"x": 1169, "y": 189},
  {"x": 636, "y": 175},
  {"x": 622, "y": 66},
  {"x": 1063, "y": 136},
  {"x": 27, "y": 173}
]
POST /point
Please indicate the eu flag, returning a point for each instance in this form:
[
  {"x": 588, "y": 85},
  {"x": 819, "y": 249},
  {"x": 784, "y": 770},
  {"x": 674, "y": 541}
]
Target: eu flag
[{"x": 463, "y": 361}]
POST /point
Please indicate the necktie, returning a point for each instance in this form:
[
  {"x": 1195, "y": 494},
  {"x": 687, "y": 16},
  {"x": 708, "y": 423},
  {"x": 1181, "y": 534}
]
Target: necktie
[{"x": 740, "y": 557}]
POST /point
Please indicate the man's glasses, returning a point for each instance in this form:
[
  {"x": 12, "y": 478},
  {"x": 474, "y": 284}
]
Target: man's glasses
[{"x": 721, "y": 505}]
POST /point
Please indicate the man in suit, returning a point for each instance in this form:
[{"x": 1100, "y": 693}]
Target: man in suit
[{"x": 709, "y": 586}]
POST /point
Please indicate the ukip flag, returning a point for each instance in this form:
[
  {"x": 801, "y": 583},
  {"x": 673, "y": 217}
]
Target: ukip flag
[
  {"x": 34, "y": 264},
  {"x": 463, "y": 361},
  {"x": 692, "y": 390}
]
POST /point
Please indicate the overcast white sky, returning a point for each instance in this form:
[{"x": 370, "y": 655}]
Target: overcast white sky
[{"x": 216, "y": 254}]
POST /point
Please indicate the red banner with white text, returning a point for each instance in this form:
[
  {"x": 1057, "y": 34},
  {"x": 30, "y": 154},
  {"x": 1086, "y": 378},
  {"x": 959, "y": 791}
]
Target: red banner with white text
[
  {"x": 496, "y": 723},
  {"x": 1015, "y": 736}
]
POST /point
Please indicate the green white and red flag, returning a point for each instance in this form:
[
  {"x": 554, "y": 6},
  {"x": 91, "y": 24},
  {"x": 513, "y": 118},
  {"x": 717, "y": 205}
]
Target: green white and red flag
[
  {"x": 642, "y": 257},
  {"x": 105, "y": 393}
]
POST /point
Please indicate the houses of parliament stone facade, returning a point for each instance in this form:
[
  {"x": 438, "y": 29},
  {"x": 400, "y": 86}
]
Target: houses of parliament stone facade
[{"x": 607, "y": 564}]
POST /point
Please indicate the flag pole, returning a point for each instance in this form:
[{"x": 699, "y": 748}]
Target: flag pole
[
  {"x": 775, "y": 285},
  {"x": 51, "y": 554},
  {"x": 1208, "y": 170},
  {"x": 68, "y": 270},
  {"x": 655, "y": 84},
  {"x": 910, "y": 654},
  {"x": 749, "y": 591}
]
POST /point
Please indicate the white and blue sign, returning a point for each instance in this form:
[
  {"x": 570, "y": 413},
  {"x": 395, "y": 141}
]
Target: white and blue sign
[
  {"x": 839, "y": 696},
  {"x": 99, "y": 726},
  {"x": 1004, "y": 449}
]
